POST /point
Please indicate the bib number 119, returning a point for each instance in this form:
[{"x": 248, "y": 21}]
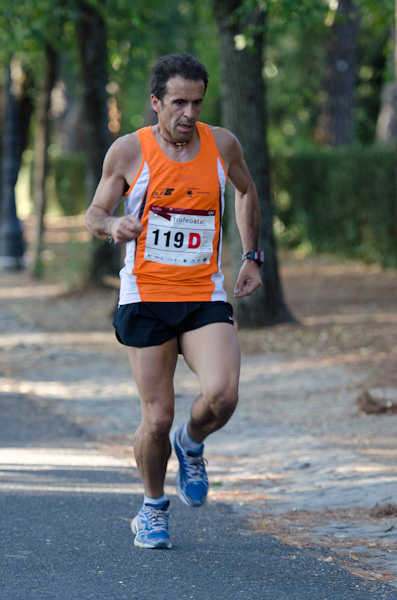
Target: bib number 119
[
  {"x": 176, "y": 239},
  {"x": 180, "y": 237}
]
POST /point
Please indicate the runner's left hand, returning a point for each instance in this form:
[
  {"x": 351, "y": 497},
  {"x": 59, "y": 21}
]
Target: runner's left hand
[{"x": 248, "y": 280}]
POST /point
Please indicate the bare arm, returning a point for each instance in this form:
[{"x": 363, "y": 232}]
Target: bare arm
[
  {"x": 120, "y": 161},
  {"x": 247, "y": 209}
]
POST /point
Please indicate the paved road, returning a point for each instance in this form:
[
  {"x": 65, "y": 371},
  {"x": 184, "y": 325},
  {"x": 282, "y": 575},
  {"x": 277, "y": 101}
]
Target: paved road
[{"x": 65, "y": 509}]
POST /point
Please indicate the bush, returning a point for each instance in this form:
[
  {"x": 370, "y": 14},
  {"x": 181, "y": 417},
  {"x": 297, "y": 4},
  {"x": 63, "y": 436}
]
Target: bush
[
  {"x": 340, "y": 200},
  {"x": 69, "y": 171}
]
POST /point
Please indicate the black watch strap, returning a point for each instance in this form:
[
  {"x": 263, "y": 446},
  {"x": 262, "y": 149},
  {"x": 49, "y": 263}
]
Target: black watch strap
[{"x": 258, "y": 256}]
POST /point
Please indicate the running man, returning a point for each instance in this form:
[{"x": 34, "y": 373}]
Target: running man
[{"x": 172, "y": 300}]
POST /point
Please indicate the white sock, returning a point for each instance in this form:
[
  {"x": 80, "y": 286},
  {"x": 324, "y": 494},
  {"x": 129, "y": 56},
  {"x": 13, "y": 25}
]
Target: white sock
[
  {"x": 154, "y": 501},
  {"x": 188, "y": 443}
]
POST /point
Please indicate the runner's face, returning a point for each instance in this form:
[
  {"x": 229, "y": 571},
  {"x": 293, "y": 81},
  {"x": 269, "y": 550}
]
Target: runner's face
[{"x": 179, "y": 110}]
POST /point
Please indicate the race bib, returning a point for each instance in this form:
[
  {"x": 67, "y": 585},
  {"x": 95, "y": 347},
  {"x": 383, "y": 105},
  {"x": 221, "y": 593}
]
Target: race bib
[{"x": 177, "y": 236}]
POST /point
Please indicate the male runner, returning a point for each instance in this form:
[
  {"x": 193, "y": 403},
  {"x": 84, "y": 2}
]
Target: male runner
[{"x": 173, "y": 178}]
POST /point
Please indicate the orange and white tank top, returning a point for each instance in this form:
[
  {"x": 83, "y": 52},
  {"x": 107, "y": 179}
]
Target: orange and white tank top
[{"x": 177, "y": 257}]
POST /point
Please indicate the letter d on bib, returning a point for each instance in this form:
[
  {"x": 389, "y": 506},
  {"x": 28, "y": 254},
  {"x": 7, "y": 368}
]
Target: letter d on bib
[{"x": 194, "y": 240}]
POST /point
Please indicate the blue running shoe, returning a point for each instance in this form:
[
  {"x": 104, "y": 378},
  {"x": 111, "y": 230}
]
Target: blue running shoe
[
  {"x": 151, "y": 527},
  {"x": 191, "y": 480}
]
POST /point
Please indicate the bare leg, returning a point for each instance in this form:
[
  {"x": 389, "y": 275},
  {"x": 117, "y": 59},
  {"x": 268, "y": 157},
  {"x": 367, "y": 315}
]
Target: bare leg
[
  {"x": 153, "y": 369},
  {"x": 213, "y": 353}
]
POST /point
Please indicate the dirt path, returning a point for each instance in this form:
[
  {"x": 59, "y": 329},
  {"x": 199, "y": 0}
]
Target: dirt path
[{"x": 298, "y": 456}]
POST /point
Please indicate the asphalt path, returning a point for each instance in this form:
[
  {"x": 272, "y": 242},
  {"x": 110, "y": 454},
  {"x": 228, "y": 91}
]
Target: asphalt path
[{"x": 65, "y": 531}]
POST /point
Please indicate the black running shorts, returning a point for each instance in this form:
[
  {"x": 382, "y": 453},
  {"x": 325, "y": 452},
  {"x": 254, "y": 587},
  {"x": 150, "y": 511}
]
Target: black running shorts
[{"x": 144, "y": 324}]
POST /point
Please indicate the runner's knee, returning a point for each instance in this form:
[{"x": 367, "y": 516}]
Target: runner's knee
[
  {"x": 159, "y": 424},
  {"x": 223, "y": 403}
]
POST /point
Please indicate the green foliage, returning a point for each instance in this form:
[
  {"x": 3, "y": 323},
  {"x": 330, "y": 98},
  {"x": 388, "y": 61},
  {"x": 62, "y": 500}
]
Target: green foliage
[
  {"x": 25, "y": 28},
  {"x": 340, "y": 200},
  {"x": 138, "y": 32},
  {"x": 138, "y": 35},
  {"x": 294, "y": 68}
]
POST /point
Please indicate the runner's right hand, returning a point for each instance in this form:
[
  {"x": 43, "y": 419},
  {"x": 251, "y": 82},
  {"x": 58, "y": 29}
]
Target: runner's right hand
[{"x": 124, "y": 229}]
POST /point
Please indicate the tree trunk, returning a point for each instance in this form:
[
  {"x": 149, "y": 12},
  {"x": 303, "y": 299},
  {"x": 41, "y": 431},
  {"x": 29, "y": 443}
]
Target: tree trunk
[
  {"x": 93, "y": 51},
  {"x": 386, "y": 125},
  {"x": 243, "y": 113},
  {"x": 335, "y": 126},
  {"x": 17, "y": 113},
  {"x": 395, "y": 87},
  {"x": 41, "y": 156}
]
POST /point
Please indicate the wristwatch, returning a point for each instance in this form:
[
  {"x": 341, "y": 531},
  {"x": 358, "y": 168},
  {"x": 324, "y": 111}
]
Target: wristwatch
[{"x": 258, "y": 256}]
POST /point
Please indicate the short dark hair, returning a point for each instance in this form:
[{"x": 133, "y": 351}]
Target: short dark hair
[{"x": 172, "y": 65}]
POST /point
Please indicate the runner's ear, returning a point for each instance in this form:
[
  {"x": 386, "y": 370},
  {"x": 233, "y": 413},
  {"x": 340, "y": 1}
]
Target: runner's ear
[{"x": 155, "y": 103}]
